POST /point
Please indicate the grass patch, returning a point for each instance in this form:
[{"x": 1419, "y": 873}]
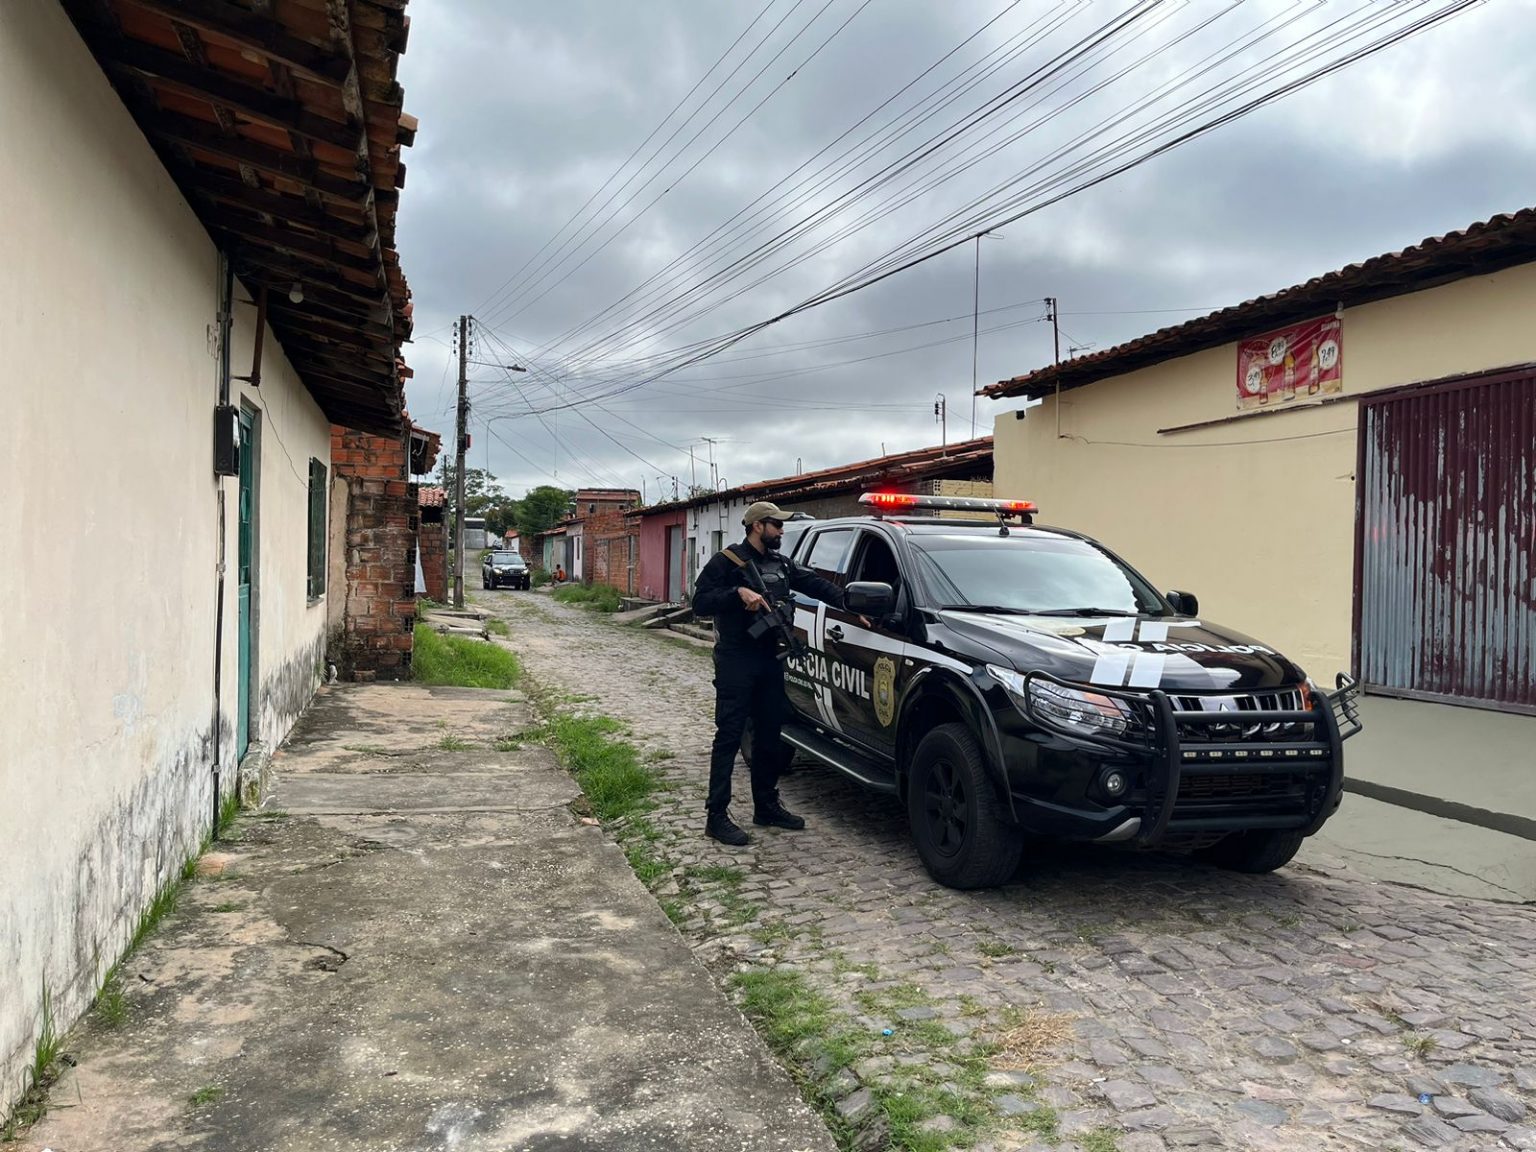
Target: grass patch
[
  {"x": 717, "y": 874},
  {"x": 599, "y": 597},
  {"x": 674, "y": 911},
  {"x": 229, "y": 808},
  {"x": 647, "y": 864},
  {"x": 1100, "y": 1140},
  {"x": 454, "y": 744},
  {"x": 807, "y": 1032},
  {"x": 1420, "y": 1046},
  {"x": 497, "y": 626},
  {"x": 609, "y": 771},
  {"x": 40, "y": 1077},
  {"x": 461, "y": 662},
  {"x": 996, "y": 949},
  {"x": 509, "y": 743},
  {"x": 207, "y": 1094},
  {"x": 771, "y": 933}
]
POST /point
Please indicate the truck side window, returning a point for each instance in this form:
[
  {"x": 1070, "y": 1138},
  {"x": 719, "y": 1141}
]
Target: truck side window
[
  {"x": 876, "y": 562},
  {"x": 828, "y": 553}
]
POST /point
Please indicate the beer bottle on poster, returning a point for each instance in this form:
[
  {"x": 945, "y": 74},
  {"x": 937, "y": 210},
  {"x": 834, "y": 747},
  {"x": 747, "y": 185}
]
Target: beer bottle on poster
[
  {"x": 1288, "y": 386},
  {"x": 1312, "y": 373}
]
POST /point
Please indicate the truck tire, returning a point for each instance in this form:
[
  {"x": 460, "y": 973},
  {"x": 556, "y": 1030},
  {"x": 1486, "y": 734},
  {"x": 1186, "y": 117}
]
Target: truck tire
[
  {"x": 1261, "y": 850},
  {"x": 962, "y": 836}
]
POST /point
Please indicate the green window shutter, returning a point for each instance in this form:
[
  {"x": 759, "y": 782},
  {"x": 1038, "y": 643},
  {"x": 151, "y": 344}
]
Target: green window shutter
[{"x": 317, "y": 533}]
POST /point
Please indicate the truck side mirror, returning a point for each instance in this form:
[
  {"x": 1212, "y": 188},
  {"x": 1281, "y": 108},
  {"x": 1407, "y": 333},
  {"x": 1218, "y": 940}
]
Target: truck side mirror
[
  {"x": 868, "y": 598},
  {"x": 1184, "y": 603}
]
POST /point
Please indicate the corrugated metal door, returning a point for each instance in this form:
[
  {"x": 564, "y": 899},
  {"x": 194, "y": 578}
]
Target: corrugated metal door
[{"x": 1446, "y": 600}]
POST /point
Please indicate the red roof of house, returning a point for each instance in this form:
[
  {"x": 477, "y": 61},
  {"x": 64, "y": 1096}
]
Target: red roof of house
[
  {"x": 1502, "y": 242},
  {"x": 967, "y": 457},
  {"x": 431, "y": 497}
]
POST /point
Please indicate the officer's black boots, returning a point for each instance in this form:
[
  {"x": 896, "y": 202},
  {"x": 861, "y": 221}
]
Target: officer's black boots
[
  {"x": 773, "y": 814},
  {"x": 721, "y": 827}
]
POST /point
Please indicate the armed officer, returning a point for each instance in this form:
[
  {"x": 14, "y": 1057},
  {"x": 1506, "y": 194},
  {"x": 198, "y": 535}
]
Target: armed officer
[{"x": 749, "y": 678}]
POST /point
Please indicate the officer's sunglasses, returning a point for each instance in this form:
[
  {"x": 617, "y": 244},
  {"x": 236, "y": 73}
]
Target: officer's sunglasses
[{"x": 776, "y": 523}]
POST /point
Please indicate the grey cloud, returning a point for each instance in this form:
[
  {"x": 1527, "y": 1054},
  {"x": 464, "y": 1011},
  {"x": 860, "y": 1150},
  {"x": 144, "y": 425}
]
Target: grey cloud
[{"x": 526, "y": 108}]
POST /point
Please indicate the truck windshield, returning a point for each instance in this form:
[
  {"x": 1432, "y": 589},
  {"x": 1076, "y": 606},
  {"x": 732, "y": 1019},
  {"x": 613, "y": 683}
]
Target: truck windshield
[
  {"x": 1031, "y": 573},
  {"x": 507, "y": 559}
]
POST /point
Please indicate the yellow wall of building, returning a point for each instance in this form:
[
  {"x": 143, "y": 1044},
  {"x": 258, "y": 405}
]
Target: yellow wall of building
[{"x": 1255, "y": 516}]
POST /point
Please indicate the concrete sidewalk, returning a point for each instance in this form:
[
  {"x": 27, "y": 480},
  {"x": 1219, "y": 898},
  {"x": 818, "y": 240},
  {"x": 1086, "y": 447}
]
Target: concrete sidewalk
[
  {"x": 1441, "y": 797},
  {"x": 428, "y": 951}
]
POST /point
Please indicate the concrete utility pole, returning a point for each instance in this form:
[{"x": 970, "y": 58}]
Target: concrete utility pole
[
  {"x": 1054, "y": 313},
  {"x": 458, "y": 475},
  {"x": 941, "y": 414}
]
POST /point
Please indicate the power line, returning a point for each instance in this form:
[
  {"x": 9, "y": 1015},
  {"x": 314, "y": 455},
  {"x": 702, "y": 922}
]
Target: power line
[
  {"x": 483, "y": 306},
  {"x": 898, "y": 260}
]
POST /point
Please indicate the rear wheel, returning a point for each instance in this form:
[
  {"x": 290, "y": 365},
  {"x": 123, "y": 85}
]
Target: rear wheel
[
  {"x": 1258, "y": 851},
  {"x": 962, "y": 836}
]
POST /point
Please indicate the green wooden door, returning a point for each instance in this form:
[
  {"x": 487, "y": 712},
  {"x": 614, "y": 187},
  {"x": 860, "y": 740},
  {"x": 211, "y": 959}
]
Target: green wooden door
[{"x": 243, "y": 569}]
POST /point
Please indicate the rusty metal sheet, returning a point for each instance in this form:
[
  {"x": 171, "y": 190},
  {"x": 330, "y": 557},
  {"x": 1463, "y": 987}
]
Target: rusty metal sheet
[{"x": 1447, "y": 549}]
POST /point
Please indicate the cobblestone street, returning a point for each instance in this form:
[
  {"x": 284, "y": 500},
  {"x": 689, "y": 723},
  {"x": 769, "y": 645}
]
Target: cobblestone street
[{"x": 1120, "y": 1001}]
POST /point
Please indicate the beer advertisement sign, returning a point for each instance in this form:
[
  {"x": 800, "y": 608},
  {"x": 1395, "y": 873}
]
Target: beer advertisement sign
[{"x": 1302, "y": 362}]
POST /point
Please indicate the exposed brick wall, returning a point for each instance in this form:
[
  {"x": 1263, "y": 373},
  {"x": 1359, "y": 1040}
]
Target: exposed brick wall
[
  {"x": 367, "y": 457},
  {"x": 613, "y": 547},
  {"x": 374, "y": 640},
  {"x": 432, "y": 541}
]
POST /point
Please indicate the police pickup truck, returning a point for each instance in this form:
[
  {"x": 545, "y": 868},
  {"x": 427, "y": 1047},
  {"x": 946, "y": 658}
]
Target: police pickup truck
[{"x": 1015, "y": 680}]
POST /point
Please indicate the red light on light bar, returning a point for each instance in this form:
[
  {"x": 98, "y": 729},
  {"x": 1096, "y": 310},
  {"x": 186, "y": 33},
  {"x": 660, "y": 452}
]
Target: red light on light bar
[
  {"x": 891, "y": 499},
  {"x": 1020, "y": 506}
]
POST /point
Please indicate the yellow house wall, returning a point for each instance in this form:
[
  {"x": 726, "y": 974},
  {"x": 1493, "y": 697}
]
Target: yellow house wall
[{"x": 1255, "y": 516}]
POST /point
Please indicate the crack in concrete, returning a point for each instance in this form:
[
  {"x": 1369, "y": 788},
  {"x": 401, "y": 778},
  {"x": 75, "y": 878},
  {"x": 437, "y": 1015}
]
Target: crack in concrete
[{"x": 1432, "y": 864}]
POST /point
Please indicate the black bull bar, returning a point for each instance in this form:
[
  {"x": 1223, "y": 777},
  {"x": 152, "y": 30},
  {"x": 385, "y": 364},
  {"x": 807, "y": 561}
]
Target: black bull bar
[{"x": 1176, "y": 744}]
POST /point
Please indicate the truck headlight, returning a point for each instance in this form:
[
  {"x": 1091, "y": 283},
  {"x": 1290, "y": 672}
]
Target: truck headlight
[{"x": 1090, "y": 713}]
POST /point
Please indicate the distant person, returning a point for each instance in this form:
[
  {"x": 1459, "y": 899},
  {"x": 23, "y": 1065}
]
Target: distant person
[{"x": 559, "y": 574}]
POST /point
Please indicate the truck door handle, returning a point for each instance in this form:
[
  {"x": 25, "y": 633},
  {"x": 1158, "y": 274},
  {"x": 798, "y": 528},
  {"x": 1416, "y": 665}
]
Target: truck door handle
[{"x": 836, "y": 631}]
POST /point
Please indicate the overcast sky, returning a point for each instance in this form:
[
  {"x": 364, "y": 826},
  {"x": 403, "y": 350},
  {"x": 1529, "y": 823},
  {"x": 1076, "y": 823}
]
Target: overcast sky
[{"x": 528, "y": 109}]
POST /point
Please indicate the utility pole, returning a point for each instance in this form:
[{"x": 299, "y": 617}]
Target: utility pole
[
  {"x": 976, "y": 322},
  {"x": 1054, "y": 313},
  {"x": 975, "y": 332},
  {"x": 941, "y": 414},
  {"x": 714, "y": 477},
  {"x": 458, "y": 475}
]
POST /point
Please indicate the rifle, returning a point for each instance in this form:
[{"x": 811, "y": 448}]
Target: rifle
[{"x": 779, "y": 618}]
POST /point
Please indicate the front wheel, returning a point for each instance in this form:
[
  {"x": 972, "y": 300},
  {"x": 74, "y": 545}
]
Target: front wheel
[
  {"x": 1259, "y": 851},
  {"x": 962, "y": 836}
]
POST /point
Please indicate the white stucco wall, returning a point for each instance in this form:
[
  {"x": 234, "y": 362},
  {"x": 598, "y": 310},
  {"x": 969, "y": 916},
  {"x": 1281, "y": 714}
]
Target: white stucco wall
[
  {"x": 1255, "y": 516},
  {"x": 108, "y": 293}
]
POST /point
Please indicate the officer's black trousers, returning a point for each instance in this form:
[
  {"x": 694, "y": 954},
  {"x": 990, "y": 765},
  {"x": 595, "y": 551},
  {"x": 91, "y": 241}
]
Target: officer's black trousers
[{"x": 749, "y": 683}]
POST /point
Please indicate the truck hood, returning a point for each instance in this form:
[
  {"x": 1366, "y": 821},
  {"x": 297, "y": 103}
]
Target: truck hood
[{"x": 1174, "y": 653}]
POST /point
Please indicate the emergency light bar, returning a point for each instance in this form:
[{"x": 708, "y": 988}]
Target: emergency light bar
[{"x": 911, "y": 501}]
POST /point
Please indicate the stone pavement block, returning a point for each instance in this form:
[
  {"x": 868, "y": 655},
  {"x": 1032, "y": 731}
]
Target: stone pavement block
[
  {"x": 1123, "y": 1095},
  {"x": 1498, "y": 1103}
]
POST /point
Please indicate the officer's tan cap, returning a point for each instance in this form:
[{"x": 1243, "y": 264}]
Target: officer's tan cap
[{"x": 763, "y": 510}]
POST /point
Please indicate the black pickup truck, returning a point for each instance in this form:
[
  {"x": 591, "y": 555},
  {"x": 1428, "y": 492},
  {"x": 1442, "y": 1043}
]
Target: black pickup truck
[{"x": 1015, "y": 680}]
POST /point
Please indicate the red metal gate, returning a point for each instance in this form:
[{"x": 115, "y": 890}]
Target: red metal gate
[{"x": 1445, "y": 596}]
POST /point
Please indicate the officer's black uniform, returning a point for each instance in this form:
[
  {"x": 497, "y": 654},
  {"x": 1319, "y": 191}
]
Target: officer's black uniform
[{"x": 749, "y": 680}]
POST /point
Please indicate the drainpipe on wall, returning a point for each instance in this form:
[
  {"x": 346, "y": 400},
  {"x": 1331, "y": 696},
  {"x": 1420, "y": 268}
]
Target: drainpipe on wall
[{"x": 225, "y": 320}]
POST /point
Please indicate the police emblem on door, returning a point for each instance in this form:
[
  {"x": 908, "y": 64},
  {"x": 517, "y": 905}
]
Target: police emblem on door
[{"x": 885, "y": 690}]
